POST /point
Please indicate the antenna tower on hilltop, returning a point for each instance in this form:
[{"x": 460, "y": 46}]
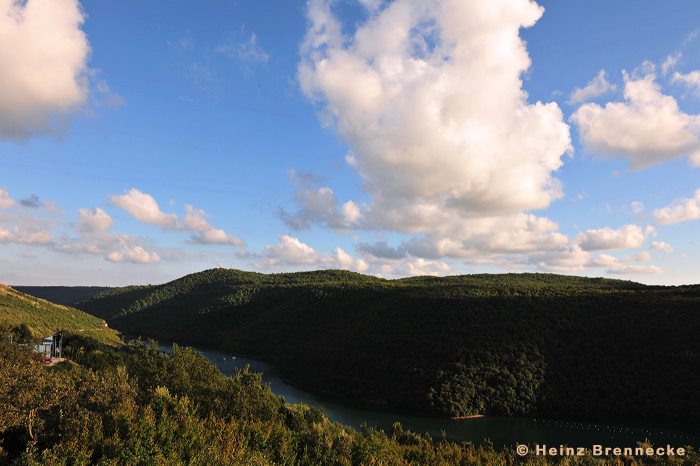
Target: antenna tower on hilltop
[{"x": 219, "y": 262}]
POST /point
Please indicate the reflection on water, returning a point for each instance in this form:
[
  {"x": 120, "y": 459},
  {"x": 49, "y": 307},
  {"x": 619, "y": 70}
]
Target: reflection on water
[{"x": 500, "y": 430}]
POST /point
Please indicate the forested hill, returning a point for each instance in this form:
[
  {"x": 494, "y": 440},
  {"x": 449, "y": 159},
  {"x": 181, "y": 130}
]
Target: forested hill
[
  {"x": 29, "y": 318},
  {"x": 65, "y": 295},
  {"x": 509, "y": 344}
]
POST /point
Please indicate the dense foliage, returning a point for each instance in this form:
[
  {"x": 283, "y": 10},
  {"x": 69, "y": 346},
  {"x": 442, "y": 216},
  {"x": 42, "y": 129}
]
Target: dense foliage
[
  {"x": 136, "y": 405},
  {"x": 28, "y": 319},
  {"x": 511, "y": 344}
]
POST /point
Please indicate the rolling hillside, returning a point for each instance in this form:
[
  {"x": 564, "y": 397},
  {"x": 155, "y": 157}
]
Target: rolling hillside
[
  {"x": 42, "y": 318},
  {"x": 511, "y": 344}
]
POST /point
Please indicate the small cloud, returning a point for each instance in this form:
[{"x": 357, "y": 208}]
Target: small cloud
[
  {"x": 30, "y": 235},
  {"x": 5, "y": 200},
  {"x": 691, "y": 37},
  {"x": 319, "y": 205},
  {"x": 31, "y": 202},
  {"x": 580, "y": 197},
  {"x": 94, "y": 220},
  {"x": 689, "y": 80},
  {"x": 247, "y": 52},
  {"x": 103, "y": 96},
  {"x": 596, "y": 87},
  {"x": 617, "y": 266},
  {"x": 662, "y": 246},
  {"x": 201, "y": 76},
  {"x": 292, "y": 252},
  {"x": 670, "y": 62},
  {"x": 371, "y": 5},
  {"x": 637, "y": 207},
  {"x": 187, "y": 42},
  {"x": 680, "y": 210},
  {"x": 647, "y": 128},
  {"x": 144, "y": 208},
  {"x": 628, "y": 236},
  {"x": 134, "y": 254},
  {"x": 215, "y": 236},
  {"x": 641, "y": 256}
]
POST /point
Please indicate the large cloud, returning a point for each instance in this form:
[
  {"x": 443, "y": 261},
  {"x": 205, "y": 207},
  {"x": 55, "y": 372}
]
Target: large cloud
[
  {"x": 429, "y": 97},
  {"x": 43, "y": 58},
  {"x": 647, "y": 128}
]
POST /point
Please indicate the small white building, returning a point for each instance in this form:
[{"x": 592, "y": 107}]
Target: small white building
[{"x": 51, "y": 347}]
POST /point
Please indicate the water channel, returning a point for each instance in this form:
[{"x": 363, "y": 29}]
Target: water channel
[{"x": 501, "y": 431}]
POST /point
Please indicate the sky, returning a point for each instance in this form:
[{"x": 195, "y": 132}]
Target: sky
[{"x": 142, "y": 141}]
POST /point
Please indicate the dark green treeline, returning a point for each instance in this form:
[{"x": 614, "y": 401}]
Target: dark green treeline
[{"x": 512, "y": 344}]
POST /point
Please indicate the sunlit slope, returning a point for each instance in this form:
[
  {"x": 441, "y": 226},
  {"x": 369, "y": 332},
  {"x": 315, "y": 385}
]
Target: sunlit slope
[
  {"x": 507, "y": 344},
  {"x": 43, "y": 317}
]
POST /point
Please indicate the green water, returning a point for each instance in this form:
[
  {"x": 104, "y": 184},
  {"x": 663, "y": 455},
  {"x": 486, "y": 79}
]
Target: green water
[{"x": 501, "y": 431}]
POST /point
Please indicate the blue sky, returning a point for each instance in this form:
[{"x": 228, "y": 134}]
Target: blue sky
[{"x": 143, "y": 141}]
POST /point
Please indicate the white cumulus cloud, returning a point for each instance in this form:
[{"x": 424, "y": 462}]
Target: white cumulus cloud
[
  {"x": 292, "y": 252},
  {"x": 143, "y": 207},
  {"x": 628, "y": 236},
  {"x": 662, "y": 246},
  {"x": 196, "y": 221},
  {"x": 30, "y": 235},
  {"x": 670, "y": 62},
  {"x": 595, "y": 88},
  {"x": 135, "y": 254},
  {"x": 94, "y": 220},
  {"x": 647, "y": 128},
  {"x": 215, "y": 236},
  {"x": 43, "y": 58},
  {"x": 621, "y": 267},
  {"x": 429, "y": 97},
  {"x": 690, "y": 80},
  {"x": 680, "y": 210}
]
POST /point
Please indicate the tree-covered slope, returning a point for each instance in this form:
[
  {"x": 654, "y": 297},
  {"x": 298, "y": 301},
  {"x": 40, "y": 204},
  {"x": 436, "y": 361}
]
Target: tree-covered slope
[
  {"x": 36, "y": 318},
  {"x": 136, "y": 405},
  {"x": 508, "y": 344},
  {"x": 65, "y": 295}
]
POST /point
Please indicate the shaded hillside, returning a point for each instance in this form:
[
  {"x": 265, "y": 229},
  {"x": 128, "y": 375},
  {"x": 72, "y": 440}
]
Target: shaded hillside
[
  {"x": 136, "y": 405},
  {"x": 65, "y": 295},
  {"x": 509, "y": 344},
  {"x": 21, "y": 314}
]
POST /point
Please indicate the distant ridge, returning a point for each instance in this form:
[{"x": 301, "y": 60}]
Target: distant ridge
[
  {"x": 65, "y": 295},
  {"x": 494, "y": 344}
]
